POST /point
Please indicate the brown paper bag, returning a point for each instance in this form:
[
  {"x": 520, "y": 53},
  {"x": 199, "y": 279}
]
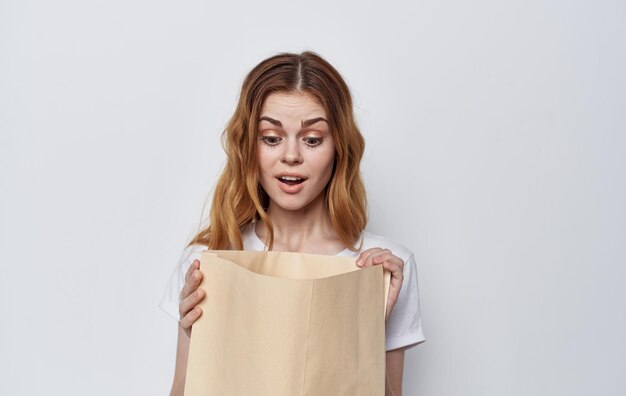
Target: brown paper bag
[{"x": 288, "y": 324}]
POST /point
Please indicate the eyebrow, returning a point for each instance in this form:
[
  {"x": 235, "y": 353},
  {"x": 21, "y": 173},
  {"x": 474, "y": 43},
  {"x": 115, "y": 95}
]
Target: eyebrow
[{"x": 304, "y": 123}]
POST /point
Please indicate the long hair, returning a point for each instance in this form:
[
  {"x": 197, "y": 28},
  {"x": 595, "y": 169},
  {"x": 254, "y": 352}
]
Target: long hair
[{"x": 239, "y": 198}]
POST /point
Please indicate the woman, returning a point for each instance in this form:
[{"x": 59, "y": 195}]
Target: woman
[{"x": 292, "y": 183}]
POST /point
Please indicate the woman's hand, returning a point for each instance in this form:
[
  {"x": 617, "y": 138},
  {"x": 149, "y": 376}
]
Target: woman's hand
[
  {"x": 391, "y": 263},
  {"x": 190, "y": 297}
]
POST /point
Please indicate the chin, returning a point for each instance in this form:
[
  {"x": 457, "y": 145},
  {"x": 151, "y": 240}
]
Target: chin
[{"x": 292, "y": 205}]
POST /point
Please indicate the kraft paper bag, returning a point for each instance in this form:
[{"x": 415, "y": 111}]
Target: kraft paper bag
[{"x": 288, "y": 324}]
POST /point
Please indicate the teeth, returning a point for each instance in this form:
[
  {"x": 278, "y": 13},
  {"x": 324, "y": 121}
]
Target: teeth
[{"x": 290, "y": 178}]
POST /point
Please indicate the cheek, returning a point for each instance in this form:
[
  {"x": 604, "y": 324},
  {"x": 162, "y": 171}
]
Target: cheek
[
  {"x": 326, "y": 162},
  {"x": 264, "y": 160}
]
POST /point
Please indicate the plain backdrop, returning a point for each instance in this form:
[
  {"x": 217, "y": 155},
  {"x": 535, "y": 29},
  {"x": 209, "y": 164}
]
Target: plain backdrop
[{"x": 495, "y": 151}]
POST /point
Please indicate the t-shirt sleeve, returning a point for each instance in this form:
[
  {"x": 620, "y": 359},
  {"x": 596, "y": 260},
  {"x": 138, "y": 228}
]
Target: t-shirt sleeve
[
  {"x": 404, "y": 326},
  {"x": 171, "y": 297}
]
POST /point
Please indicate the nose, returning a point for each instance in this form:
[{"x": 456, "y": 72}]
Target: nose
[{"x": 291, "y": 154}]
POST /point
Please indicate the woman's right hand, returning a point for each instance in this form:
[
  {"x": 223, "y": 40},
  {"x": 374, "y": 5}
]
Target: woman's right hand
[{"x": 190, "y": 296}]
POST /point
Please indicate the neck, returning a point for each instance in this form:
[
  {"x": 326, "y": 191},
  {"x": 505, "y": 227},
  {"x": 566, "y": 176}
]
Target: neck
[{"x": 299, "y": 230}]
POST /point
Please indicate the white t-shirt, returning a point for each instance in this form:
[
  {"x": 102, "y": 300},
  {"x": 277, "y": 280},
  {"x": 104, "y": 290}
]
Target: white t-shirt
[{"x": 404, "y": 326}]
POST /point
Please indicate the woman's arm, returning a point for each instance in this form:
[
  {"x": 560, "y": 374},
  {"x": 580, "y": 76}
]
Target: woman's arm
[
  {"x": 395, "y": 369},
  {"x": 395, "y": 265},
  {"x": 182, "y": 353},
  {"x": 189, "y": 313}
]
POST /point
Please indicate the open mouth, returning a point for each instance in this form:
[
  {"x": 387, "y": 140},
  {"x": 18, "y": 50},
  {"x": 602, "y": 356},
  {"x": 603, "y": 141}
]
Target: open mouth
[{"x": 291, "y": 180}]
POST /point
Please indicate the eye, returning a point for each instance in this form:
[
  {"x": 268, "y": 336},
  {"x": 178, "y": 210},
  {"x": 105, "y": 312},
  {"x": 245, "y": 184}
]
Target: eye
[
  {"x": 313, "y": 141},
  {"x": 271, "y": 140}
]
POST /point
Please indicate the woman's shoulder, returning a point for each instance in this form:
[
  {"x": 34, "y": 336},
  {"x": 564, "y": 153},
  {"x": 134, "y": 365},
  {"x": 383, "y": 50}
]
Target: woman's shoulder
[
  {"x": 372, "y": 240},
  {"x": 192, "y": 249},
  {"x": 189, "y": 254}
]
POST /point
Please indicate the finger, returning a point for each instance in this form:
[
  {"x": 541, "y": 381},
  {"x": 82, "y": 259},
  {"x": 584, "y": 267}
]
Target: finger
[
  {"x": 391, "y": 302},
  {"x": 188, "y": 320},
  {"x": 192, "y": 281},
  {"x": 390, "y": 262},
  {"x": 191, "y": 284},
  {"x": 365, "y": 254},
  {"x": 386, "y": 255},
  {"x": 392, "y": 296},
  {"x": 395, "y": 269},
  {"x": 190, "y": 302},
  {"x": 195, "y": 265},
  {"x": 370, "y": 259}
]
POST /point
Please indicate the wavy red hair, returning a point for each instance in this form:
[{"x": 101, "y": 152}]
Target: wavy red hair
[{"x": 239, "y": 199}]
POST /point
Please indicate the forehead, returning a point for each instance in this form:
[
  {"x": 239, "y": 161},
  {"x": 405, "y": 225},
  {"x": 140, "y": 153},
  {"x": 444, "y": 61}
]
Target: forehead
[{"x": 292, "y": 105}]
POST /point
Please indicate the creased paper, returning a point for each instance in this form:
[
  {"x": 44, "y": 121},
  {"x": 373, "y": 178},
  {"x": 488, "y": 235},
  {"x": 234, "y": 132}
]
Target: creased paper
[{"x": 288, "y": 324}]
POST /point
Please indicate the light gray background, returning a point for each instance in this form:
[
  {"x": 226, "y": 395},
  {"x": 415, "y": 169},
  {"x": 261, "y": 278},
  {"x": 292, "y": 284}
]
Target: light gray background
[{"x": 495, "y": 151}]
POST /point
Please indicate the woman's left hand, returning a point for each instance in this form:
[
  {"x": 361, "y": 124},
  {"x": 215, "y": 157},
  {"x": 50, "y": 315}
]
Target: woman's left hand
[{"x": 391, "y": 263}]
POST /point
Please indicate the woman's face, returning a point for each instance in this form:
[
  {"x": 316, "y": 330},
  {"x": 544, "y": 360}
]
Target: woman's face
[{"x": 295, "y": 150}]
